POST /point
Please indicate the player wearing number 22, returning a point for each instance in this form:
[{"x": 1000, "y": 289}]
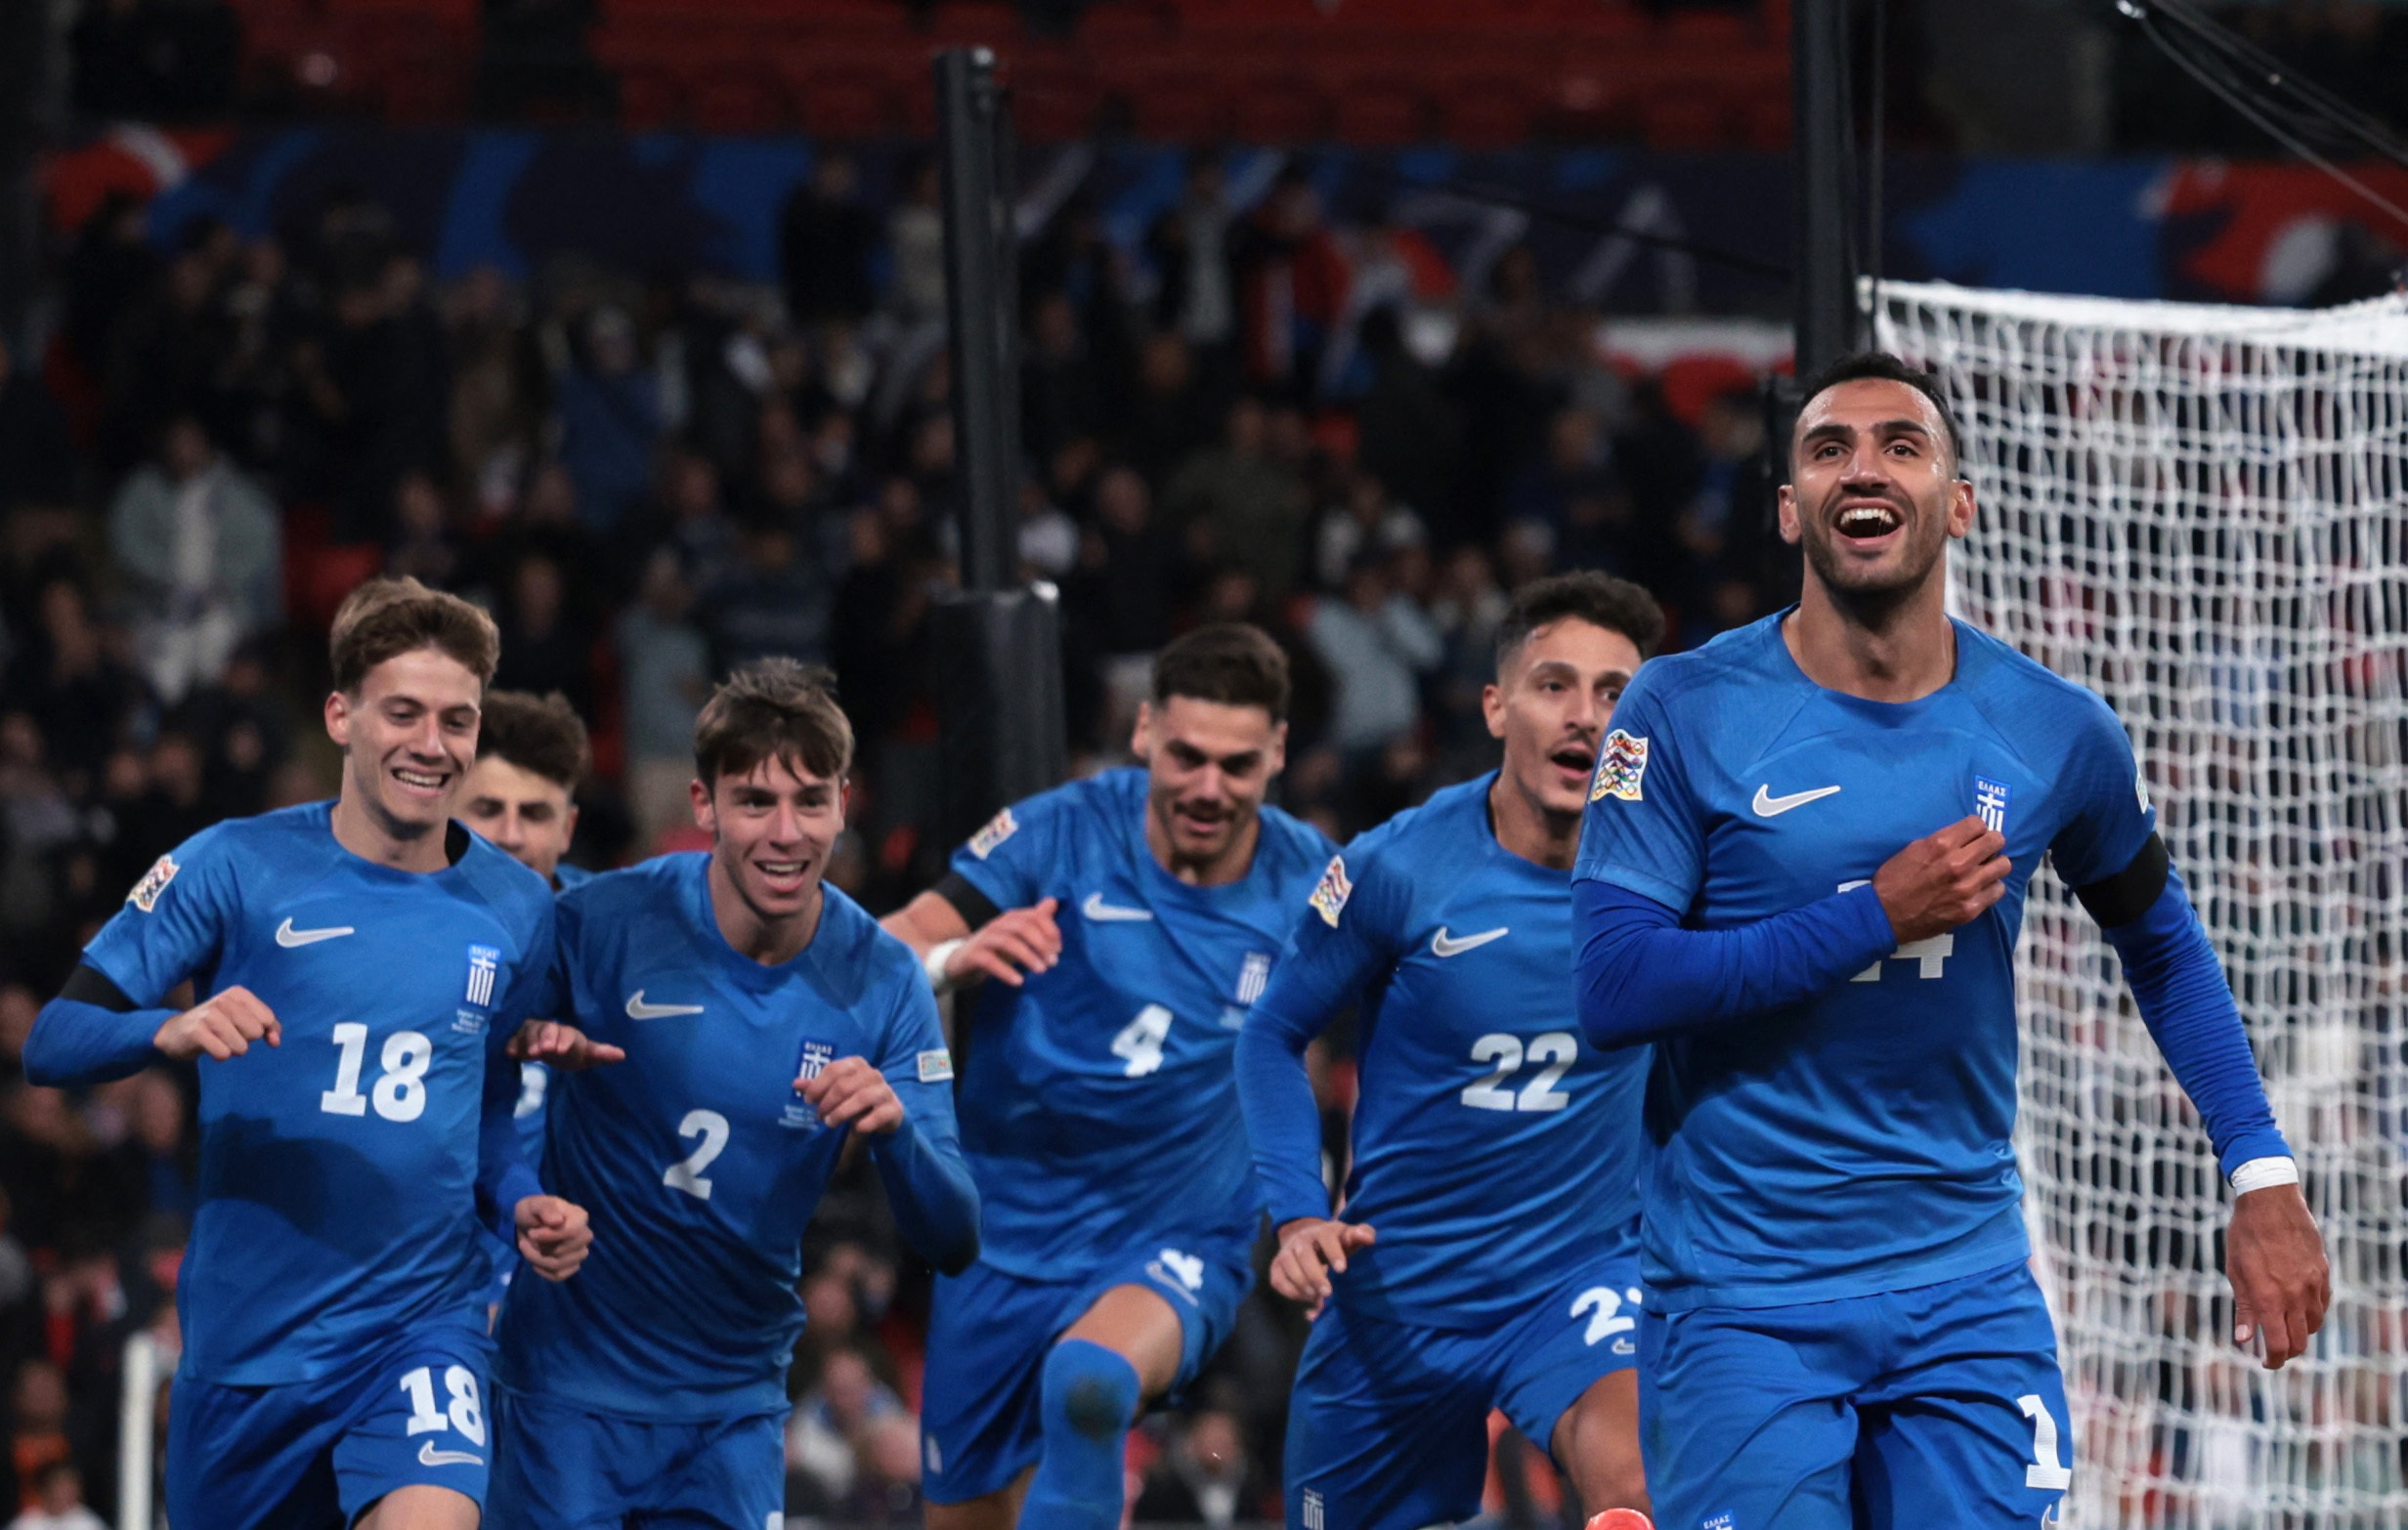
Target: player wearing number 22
[
  {"x": 359, "y": 966},
  {"x": 741, "y": 1021},
  {"x": 1488, "y": 1255},
  {"x": 1841, "y": 1330},
  {"x": 1097, "y": 1104}
]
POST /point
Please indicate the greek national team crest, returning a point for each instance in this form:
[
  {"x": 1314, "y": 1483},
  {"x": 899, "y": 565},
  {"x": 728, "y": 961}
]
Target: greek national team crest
[
  {"x": 1990, "y": 803},
  {"x": 146, "y": 893},
  {"x": 814, "y": 1061},
  {"x": 1621, "y": 767},
  {"x": 1253, "y": 976},
  {"x": 1331, "y": 893},
  {"x": 483, "y": 963}
]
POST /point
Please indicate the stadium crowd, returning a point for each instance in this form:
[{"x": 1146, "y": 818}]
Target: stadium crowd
[{"x": 648, "y": 481}]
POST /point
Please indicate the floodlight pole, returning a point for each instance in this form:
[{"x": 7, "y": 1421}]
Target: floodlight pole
[
  {"x": 1824, "y": 186},
  {"x": 1001, "y": 730}
]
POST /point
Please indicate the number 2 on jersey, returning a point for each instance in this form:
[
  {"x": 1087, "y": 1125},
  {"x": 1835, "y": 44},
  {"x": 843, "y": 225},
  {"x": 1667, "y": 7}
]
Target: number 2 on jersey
[
  {"x": 400, "y": 1094},
  {"x": 1557, "y": 1051},
  {"x": 687, "y": 1173}
]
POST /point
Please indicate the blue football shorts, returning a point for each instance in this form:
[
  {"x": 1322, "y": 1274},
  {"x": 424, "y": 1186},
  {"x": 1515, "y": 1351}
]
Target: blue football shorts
[
  {"x": 1388, "y": 1426},
  {"x": 1940, "y": 1405},
  {"x": 989, "y": 1334},
  {"x": 562, "y": 1468}
]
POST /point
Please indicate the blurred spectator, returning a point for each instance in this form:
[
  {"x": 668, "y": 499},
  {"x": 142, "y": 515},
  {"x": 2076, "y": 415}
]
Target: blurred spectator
[
  {"x": 828, "y": 1435},
  {"x": 665, "y": 664},
  {"x": 542, "y": 650},
  {"x": 775, "y": 601},
  {"x": 887, "y": 1490},
  {"x": 534, "y": 62},
  {"x": 37, "y": 1429},
  {"x": 58, "y": 1502},
  {"x": 76, "y": 697},
  {"x": 1203, "y": 1477},
  {"x": 1189, "y": 244},
  {"x": 1239, "y": 506},
  {"x": 1366, "y": 521},
  {"x": 915, "y": 237},
  {"x": 826, "y": 237},
  {"x": 200, "y": 550},
  {"x": 610, "y": 414},
  {"x": 1377, "y": 643}
]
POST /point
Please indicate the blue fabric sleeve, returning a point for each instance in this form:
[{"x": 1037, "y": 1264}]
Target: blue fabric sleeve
[
  {"x": 75, "y": 1043},
  {"x": 1642, "y": 827},
  {"x": 2112, "y": 818},
  {"x": 2188, "y": 1007},
  {"x": 1013, "y": 859},
  {"x": 504, "y": 1177},
  {"x": 173, "y": 924},
  {"x": 928, "y": 1185},
  {"x": 1344, "y": 936},
  {"x": 1641, "y": 976}
]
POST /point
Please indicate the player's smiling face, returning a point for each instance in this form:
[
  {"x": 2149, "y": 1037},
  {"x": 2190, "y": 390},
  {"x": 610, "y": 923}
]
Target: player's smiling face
[
  {"x": 1873, "y": 496},
  {"x": 772, "y": 828},
  {"x": 1551, "y": 706},
  {"x": 408, "y": 738},
  {"x": 1208, "y": 765},
  {"x": 528, "y": 814}
]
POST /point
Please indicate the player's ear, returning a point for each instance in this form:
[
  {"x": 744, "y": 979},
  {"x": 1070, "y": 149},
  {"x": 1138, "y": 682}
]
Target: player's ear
[
  {"x": 1786, "y": 499},
  {"x": 1142, "y": 737},
  {"x": 338, "y": 718},
  {"x": 704, "y": 818},
  {"x": 1492, "y": 709},
  {"x": 1277, "y": 754},
  {"x": 1961, "y": 508}
]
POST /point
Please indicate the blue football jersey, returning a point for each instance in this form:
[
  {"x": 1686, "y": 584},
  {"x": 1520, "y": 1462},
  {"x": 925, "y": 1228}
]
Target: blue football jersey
[
  {"x": 1098, "y": 1106},
  {"x": 1494, "y": 1149},
  {"x": 697, "y": 1157},
  {"x": 337, "y": 1170},
  {"x": 1862, "y": 1141}
]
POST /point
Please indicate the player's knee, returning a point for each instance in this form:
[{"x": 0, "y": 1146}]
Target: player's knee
[{"x": 1090, "y": 1389}]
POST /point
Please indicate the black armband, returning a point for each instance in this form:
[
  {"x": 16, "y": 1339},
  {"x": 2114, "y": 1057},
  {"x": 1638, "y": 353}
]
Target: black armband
[
  {"x": 89, "y": 984},
  {"x": 2131, "y": 892},
  {"x": 974, "y": 906}
]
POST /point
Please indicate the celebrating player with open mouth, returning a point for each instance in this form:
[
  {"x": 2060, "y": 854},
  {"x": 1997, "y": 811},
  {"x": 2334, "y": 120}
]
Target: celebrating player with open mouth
[
  {"x": 1488, "y": 1251},
  {"x": 1841, "y": 1329},
  {"x": 361, "y": 964},
  {"x": 765, "y": 1020},
  {"x": 1124, "y": 925}
]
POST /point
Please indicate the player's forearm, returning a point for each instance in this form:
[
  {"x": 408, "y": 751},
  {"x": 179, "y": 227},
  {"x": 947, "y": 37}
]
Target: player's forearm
[
  {"x": 925, "y": 922},
  {"x": 504, "y": 1177},
  {"x": 75, "y": 1042},
  {"x": 2188, "y": 1007},
  {"x": 1283, "y": 1126},
  {"x": 1641, "y": 976},
  {"x": 934, "y": 1200}
]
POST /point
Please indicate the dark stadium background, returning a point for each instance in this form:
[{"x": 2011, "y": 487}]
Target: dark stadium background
[{"x": 625, "y": 317}]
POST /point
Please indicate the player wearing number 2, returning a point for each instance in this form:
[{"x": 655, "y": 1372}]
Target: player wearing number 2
[
  {"x": 749, "y": 1020},
  {"x": 359, "y": 966},
  {"x": 1489, "y": 1252},
  {"x": 1124, "y": 925},
  {"x": 1841, "y": 1329}
]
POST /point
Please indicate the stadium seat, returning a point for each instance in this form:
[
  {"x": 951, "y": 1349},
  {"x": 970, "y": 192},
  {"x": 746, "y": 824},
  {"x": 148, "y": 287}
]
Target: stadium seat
[
  {"x": 1290, "y": 110},
  {"x": 1381, "y": 113}
]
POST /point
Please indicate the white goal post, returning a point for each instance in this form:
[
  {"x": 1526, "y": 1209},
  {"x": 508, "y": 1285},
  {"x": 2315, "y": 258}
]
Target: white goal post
[{"x": 2202, "y": 514}]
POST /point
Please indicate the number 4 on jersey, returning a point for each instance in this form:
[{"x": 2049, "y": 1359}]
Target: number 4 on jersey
[{"x": 1139, "y": 1042}]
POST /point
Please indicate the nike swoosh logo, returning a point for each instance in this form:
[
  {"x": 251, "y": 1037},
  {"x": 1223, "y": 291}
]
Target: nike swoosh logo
[
  {"x": 429, "y": 1455},
  {"x": 1445, "y": 946},
  {"x": 289, "y": 937},
  {"x": 637, "y": 1010},
  {"x": 1768, "y": 805},
  {"x": 1102, "y": 913}
]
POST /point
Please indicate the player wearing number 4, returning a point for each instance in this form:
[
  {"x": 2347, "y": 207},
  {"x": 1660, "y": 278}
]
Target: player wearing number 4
[
  {"x": 1841, "y": 1330},
  {"x": 359, "y": 964},
  {"x": 1489, "y": 1252},
  {"x": 1123, "y": 924},
  {"x": 750, "y": 1020}
]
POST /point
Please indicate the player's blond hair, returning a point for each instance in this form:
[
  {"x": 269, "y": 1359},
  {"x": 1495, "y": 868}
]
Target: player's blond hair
[{"x": 385, "y": 619}]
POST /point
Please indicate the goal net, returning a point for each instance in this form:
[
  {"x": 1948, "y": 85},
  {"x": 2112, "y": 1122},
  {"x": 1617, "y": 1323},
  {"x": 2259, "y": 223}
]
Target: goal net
[{"x": 2202, "y": 514}]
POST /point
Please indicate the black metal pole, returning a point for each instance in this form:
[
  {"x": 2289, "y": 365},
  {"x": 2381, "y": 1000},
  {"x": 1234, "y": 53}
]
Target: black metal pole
[
  {"x": 1823, "y": 192},
  {"x": 969, "y": 109}
]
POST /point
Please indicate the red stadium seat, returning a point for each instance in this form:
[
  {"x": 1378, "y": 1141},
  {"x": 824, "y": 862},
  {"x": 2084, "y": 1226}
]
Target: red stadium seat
[
  {"x": 1381, "y": 111},
  {"x": 1280, "y": 111},
  {"x": 1497, "y": 112}
]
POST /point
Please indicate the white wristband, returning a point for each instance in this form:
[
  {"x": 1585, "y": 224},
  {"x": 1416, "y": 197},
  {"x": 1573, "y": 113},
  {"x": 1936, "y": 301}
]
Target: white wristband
[
  {"x": 934, "y": 963},
  {"x": 2262, "y": 1173}
]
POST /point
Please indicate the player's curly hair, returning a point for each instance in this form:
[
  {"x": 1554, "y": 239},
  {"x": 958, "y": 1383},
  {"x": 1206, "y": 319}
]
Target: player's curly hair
[
  {"x": 385, "y": 619},
  {"x": 542, "y": 733},
  {"x": 1599, "y": 599},
  {"x": 1233, "y": 662},
  {"x": 1882, "y": 366},
  {"x": 773, "y": 708}
]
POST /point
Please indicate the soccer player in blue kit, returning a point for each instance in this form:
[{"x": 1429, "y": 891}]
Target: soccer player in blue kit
[
  {"x": 1487, "y": 1254},
  {"x": 765, "y": 1021},
  {"x": 1123, "y": 925},
  {"x": 359, "y": 966},
  {"x": 1841, "y": 1330}
]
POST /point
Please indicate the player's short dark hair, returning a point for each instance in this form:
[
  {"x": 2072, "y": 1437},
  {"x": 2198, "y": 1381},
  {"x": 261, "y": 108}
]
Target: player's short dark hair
[
  {"x": 1234, "y": 663},
  {"x": 542, "y": 733},
  {"x": 1882, "y": 366},
  {"x": 1599, "y": 599},
  {"x": 773, "y": 708},
  {"x": 385, "y": 619}
]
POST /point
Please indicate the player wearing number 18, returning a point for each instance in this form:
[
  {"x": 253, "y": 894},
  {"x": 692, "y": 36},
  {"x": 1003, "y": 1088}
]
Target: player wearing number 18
[
  {"x": 748, "y": 1021},
  {"x": 360, "y": 965},
  {"x": 1489, "y": 1252},
  {"x": 1841, "y": 1329}
]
